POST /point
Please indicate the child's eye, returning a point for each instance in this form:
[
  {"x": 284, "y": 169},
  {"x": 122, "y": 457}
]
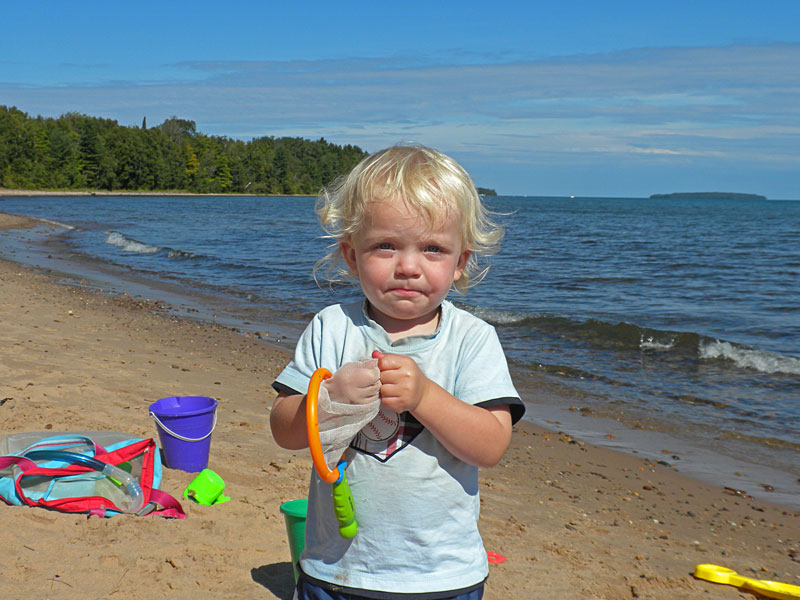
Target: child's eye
[
  {"x": 384, "y": 246},
  {"x": 433, "y": 248}
]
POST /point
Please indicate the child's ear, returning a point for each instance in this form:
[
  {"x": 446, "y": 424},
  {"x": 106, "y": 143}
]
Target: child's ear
[
  {"x": 349, "y": 255},
  {"x": 462, "y": 264}
]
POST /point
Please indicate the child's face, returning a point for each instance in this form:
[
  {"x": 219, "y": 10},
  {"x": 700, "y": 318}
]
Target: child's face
[{"x": 405, "y": 266}]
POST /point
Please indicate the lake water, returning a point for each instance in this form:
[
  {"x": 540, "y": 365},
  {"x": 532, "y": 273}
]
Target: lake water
[{"x": 673, "y": 324}]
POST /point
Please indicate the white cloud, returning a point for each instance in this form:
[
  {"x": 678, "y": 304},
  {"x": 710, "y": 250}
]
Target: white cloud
[{"x": 732, "y": 103}]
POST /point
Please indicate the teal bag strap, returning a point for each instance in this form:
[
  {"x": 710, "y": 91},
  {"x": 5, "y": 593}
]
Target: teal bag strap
[{"x": 63, "y": 442}]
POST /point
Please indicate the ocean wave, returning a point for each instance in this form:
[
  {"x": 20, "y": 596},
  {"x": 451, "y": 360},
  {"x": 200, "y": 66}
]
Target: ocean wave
[
  {"x": 650, "y": 343},
  {"x": 630, "y": 337},
  {"x": 749, "y": 358},
  {"x": 126, "y": 244},
  {"x": 496, "y": 316},
  {"x": 133, "y": 246},
  {"x": 622, "y": 335},
  {"x": 601, "y": 333},
  {"x": 172, "y": 253},
  {"x": 56, "y": 223}
]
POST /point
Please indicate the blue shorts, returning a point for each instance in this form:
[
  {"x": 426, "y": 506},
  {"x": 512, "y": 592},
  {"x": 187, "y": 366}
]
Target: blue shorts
[{"x": 308, "y": 591}]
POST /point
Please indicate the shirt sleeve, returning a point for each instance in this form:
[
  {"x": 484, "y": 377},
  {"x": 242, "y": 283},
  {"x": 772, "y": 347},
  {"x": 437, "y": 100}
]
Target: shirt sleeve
[
  {"x": 482, "y": 376},
  {"x": 307, "y": 359},
  {"x": 515, "y": 406}
]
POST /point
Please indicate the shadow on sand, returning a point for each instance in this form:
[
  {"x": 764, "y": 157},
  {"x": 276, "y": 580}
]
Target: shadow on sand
[{"x": 278, "y": 578}]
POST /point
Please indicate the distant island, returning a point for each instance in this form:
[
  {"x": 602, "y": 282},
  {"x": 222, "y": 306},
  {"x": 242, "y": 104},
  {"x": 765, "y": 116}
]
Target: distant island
[
  {"x": 486, "y": 191},
  {"x": 709, "y": 196}
]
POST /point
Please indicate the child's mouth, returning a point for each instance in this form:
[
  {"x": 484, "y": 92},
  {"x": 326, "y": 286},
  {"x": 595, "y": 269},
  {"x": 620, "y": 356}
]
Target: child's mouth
[{"x": 405, "y": 292}]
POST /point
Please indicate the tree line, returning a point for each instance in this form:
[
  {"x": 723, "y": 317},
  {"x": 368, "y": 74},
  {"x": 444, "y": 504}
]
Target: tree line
[{"x": 79, "y": 152}]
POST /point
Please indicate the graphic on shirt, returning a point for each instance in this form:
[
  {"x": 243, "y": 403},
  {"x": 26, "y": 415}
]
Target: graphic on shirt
[
  {"x": 386, "y": 434},
  {"x": 383, "y": 426}
]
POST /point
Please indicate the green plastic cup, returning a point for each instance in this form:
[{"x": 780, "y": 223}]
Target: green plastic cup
[
  {"x": 294, "y": 515},
  {"x": 206, "y": 488}
]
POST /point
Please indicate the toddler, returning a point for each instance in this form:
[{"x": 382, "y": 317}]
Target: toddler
[{"x": 408, "y": 225}]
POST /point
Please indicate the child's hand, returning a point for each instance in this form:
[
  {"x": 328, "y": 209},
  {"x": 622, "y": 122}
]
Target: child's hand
[
  {"x": 354, "y": 383},
  {"x": 403, "y": 384}
]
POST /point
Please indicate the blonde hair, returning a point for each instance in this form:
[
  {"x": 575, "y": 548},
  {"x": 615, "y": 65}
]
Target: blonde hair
[{"x": 429, "y": 182}]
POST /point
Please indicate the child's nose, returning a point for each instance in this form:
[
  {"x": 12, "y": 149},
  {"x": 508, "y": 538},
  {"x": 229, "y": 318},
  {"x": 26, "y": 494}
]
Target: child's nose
[{"x": 408, "y": 264}]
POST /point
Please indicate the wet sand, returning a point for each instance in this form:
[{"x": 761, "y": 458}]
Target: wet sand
[{"x": 572, "y": 520}]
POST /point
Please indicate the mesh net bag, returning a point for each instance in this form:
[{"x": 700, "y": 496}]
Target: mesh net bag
[{"x": 347, "y": 401}]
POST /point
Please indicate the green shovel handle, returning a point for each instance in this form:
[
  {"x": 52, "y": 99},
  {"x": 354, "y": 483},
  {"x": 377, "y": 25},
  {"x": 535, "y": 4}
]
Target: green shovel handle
[{"x": 343, "y": 505}]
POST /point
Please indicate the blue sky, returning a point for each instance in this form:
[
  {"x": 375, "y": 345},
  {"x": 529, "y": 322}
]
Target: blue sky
[{"x": 533, "y": 98}]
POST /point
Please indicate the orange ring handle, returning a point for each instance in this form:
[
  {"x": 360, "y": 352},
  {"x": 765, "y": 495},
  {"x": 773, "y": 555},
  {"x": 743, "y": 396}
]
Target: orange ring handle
[{"x": 312, "y": 427}]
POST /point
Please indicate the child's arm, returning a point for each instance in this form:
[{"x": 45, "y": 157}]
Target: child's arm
[
  {"x": 476, "y": 435},
  {"x": 288, "y": 421}
]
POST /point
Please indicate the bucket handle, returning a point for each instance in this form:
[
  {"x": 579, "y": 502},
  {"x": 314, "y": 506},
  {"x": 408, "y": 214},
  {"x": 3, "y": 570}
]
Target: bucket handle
[{"x": 180, "y": 437}]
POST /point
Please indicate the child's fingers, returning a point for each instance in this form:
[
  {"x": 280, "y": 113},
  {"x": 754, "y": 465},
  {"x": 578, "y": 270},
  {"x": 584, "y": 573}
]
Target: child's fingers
[
  {"x": 399, "y": 397},
  {"x": 390, "y": 362},
  {"x": 365, "y": 378}
]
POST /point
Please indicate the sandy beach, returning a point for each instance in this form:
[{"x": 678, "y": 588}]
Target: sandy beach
[{"x": 572, "y": 520}]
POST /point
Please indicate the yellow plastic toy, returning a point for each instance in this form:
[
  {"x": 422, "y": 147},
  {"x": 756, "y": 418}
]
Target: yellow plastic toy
[{"x": 770, "y": 589}]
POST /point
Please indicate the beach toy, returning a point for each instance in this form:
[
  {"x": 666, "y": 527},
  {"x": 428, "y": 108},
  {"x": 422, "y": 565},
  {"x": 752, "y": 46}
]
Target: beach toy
[
  {"x": 132, "y": 499},
  {"x": 495, "y": 558},
  {"x": 770, "y": 589},
  {"x": 294, "y": 516},
  {"x": 343, "y": 505},
  {"x": 185, "y": 424},
  {"x": 206, "y": 488}
]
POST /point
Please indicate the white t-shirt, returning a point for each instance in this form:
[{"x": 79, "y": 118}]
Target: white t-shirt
[{"x": 416, "y": 504}]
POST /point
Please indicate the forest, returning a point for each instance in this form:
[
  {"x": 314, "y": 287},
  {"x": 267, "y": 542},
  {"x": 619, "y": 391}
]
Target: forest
[{"x": 79, "y": 152}]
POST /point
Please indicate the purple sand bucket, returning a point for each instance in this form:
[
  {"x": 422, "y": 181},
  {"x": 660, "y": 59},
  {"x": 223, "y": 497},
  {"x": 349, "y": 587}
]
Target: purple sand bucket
[{"x": 185, "y": 424}]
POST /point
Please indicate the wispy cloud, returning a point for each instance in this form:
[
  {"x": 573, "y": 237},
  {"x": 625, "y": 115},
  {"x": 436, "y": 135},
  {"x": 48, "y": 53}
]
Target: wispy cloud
[
  {"x": 89, "y": 66},
  {"x": 729, "y": 103}
]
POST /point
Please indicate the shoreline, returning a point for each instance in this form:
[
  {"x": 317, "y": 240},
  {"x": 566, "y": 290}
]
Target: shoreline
[
  {"x": 572, "y": 519},
  {"x": 770, "y": 475},
  {"x": 34, "y": 193}
]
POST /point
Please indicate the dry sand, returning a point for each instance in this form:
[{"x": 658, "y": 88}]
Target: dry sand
[{"x": 573, "y": 521}]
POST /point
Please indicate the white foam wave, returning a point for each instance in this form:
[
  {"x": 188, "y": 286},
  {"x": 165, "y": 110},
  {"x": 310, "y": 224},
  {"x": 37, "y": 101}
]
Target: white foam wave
[
  {"x": 651, "y": 344},
  {"x": 180, "y": 254},
  {"x": 494, "y": 316},
  {"x": 748, "y": 358},
  {"x": 127, "y": 244},
  {"x": 56, "y": 223}
]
